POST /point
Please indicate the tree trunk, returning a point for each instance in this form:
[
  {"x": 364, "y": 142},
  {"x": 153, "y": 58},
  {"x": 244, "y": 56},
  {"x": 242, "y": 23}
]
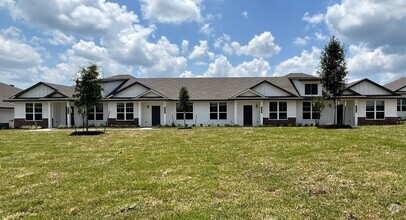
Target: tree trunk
[
  {"x": 184, "y": 119},
  {"x": 335, "y": 111},
  {"x": 87, "y": 119}
]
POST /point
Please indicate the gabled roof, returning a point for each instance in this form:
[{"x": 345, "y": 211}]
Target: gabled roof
[
  {"x": 66, "y": 91},
  {"x": 6, "y": 91},
  {"x": 352, "y": 84},
  {"x": 397, "y": 84},
  {"x": 301, "y": 76}
]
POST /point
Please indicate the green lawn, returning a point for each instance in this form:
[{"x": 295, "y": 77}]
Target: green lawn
[{"x": 205, "y": 173}]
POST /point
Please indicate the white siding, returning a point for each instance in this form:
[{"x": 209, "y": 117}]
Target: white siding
[
  {"x": 201, "y": 114},
  {"x": 19, "y": 110},
  {"x": 256, "y": 120},
  {"x": 291, "y": 108},
  {"x": 390, "y": 107},
  {"x": 402, "y": 89},
  {"x": 326, "y": 117},
  {"x": 109, "y": 87},
  {"x": 151, "y": 94},
  {"x": 300, "y": 86},
  {"x": 133, "y": 91},
  {"x": 267, "y": 89},
  {"x": 112, "y": 108},
  {"x": 248, "y": 94},
  {"x": 366, "y": 88},
  {"x": 38, "y": 91},
  {"x": 146, "y": 110}
]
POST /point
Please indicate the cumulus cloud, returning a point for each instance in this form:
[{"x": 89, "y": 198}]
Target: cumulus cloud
[
  {"x": 364, "y": 62},
  {"x": 206, "y": 29},
  {"x": 224, "y": 43},
  {"x": 59, "y": 38},
  {"x": 201, "y": 51},
  {"x": 378, "y": 23},
  {"x": 245, "y": 14},
  {"x": 313, "y": 19},
  {"x": 15, "y": 53},
  {"x": 171, "y": 11},
  {"x": 222, "y": 67},
  {"x": 262, "y": 45},
  {"x": 185, "y": 47},
  {"x": 302, "y": 41},
  {"x": 80, "y": 16},
  {"x": 307, "y": 62}
]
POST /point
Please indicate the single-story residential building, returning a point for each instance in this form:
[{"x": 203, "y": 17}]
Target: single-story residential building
[
  {"x": 7, "y": 108},
  {"x": 399, "y": 87},
  {"x": 242, "y": 101}
]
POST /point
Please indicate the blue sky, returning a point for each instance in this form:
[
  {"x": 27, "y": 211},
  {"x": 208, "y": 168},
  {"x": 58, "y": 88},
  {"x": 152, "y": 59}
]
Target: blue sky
[{"x": 48, "y": 40}]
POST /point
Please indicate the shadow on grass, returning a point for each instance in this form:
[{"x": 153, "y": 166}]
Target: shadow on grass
[
  {"x": 335, "y": 126},
  {"x": 86, "y": 133}
]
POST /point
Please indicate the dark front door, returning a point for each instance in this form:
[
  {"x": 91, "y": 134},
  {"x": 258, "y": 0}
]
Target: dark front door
[
  {"x": 340, "y": 114},
  {"x": 156, "y": 115},
  {"x": 72, "y": 116},
  {"x": 247, "y": 115}
]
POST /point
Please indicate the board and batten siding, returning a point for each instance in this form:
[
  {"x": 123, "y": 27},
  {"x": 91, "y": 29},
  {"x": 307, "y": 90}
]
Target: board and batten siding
[
  {"x": 267, "y": 89},
  {"x": 133, "y": 91},
  {"x": 366, "y": 88},
  {"x": 37, "y": 92}
]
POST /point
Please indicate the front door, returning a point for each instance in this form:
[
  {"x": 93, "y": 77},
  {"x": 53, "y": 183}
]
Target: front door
[
  {"x": 247, "y": 115},
  {"x": 156, "y": 115},
  {"x": 340, "y": 114}
]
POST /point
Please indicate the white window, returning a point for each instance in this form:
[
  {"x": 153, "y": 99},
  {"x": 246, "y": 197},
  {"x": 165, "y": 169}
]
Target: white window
[
  {"x": 375, "y": 110},
  {"x": 96, "y": 112},
  {"x": 311, "y": 89},
  {"x": 401, "y": 105},
  {"x": 189, "y": 112},
  {"x": 125, "y": 111},
  {"x": 278, "y": 110},
  {"x": 309, "y": 112},
  {"x": 218, "y": 110},
  {"x": 33, "y": 111}
]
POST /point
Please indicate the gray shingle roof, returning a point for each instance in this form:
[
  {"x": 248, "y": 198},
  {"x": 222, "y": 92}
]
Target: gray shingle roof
[
  {"x": 209, "y": 88},
  {"x": 6, "y": 91},
  {"x": 64, "y": 90},
  {"x": 397, "y": 84}
]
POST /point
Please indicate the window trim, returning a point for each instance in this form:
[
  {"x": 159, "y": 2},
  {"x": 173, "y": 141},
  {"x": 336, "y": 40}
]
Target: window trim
[
  {"x": 218, "y": 112},
  {"x": 95, "y": 113},
  {"x": 401, "y": 105},
  {"x": 186, "y": 113},
  {"x": 311, "y": 88},
  {"x": 375, "y": 111},
  {"x": 34, "y": 112},
  {"x": 125, "y": 111},
  {"x": 311, "y": 112},
  {"x": 278, "y": 111}
]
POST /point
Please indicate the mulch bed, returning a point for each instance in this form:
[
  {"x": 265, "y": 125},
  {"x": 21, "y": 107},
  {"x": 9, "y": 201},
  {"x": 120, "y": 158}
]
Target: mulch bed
[
  {"x": 335, "y": 126},
  {"x": 86, "y": 133}
]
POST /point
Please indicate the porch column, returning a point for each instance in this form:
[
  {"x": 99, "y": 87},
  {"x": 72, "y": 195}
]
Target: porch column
[
  {"x": 139, "y": 114},
  {"x": 164, "y": 113},
  {"x": 49, "y": 115},
  {"x": 356, "y": 113},
  {"x": 68, "y": 122},
  {"x": 261, "y": 105},
  {"x": 235, "y": 113}
]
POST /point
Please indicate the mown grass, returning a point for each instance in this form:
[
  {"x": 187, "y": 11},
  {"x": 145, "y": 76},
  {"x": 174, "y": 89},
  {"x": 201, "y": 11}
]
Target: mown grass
[{"x": 205, "y": 173}]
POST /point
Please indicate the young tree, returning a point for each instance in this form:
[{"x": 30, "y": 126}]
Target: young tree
[
  {"x": 318, "y": 106},
  {"x": 87, "y": 90},
  {"x": 184, "y": 102},
  {"x": 333, "y": 70}
]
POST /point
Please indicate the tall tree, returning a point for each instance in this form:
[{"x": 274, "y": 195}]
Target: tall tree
[
  {"x": 184, "y": 102},
  {"x": 87, "y": 91},
  {"x": 333, "y": 70}
]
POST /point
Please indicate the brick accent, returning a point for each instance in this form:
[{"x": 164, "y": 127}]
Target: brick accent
[
  {"x": 114, "y": 122},
  {"x": 19, "y": 122},
  {"x": 290, "y": 121},
  {"x": 386, "y": 121}
]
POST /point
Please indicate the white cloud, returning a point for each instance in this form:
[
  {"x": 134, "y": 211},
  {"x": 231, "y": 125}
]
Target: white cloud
[
  {"x": 201, "y": 51},
  {"x": 59, "y": 38},
  {"x": 15, "y": 53},
  {"x": 314, "y": 19},
  {"x": 221, "y": 67},
  {"x": 301, "y": 41},
  {"x": 185, "y": 47},
  {"x": 171, "y": 11},
  {"x": 88, "y": 50},
  {"x": 206, "y": 29},
  {"x": 245, "y": 14},
  {"x": 260, "y": 46},
  {"x": 307, "y": 62},
  {"x": 79, "y": 16},
  {"x": 320, "y": 36},
  {"x": 364, "y": 62},
  {"x": 224, "y": 43},
  {"x": 378, "y": 23}
]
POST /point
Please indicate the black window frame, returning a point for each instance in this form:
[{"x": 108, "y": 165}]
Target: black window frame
[
  {"x": 374, "y": 111},
  {"x": 35, "y": 112},
  {"x": 96, "y": 113},
  {"x": 311, "y": 89},
  {"x": 188, "y": 113},
  {"x": 278, "y": 110},
  {"x": 126, "y": 112},
  {"x": 218, "y": 110}
]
